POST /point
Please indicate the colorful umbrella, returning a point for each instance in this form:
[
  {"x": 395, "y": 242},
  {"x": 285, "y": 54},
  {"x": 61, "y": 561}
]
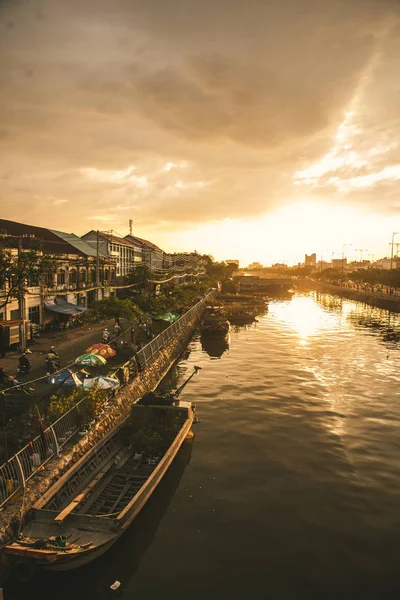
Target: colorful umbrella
[
  {"x": 104, "y": 383},
  {"x": 103, "y": 350},
  {"x": 90, "y": 360}
]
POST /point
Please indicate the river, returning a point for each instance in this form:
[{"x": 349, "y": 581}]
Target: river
[{"x": 290, "y": 489}]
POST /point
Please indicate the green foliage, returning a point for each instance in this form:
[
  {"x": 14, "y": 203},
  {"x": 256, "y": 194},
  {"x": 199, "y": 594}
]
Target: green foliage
[
  {"x": 89, "y": 408},
  {"x": 20, "y": 270},
  {"x": 114, "y": 308},
  {"x": 154, "y": 438}
]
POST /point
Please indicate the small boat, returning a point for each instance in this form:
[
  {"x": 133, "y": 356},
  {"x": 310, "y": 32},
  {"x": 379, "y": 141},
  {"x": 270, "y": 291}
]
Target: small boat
[
  {"x": 85, "y": 512},
  {"x": 214, "y": 323},
  {"x": 241, "y": 318}
]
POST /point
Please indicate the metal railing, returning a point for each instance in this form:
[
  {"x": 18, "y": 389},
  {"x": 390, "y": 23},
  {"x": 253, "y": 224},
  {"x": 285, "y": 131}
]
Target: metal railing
[{"x": 29, "y": 460}]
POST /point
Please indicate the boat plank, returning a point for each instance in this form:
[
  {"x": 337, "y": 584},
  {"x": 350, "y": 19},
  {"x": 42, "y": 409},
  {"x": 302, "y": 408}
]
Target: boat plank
[{"x": 72, "y": 505}]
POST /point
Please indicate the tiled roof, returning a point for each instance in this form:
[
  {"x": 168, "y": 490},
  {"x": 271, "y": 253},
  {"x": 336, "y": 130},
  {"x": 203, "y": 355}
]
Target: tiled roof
[
  {"x": 143, "y": 242},
  {"x": 115, "y": 239}
]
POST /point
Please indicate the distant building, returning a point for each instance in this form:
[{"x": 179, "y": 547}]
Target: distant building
[
  {"x": 385, "y": 263},
  {"x": 255, "y": 265},
  {"x": 338, "y": 263},
  {"x": 310, "y": 260},
  {"x": 322, "y": 265},
  {"x": 232, "y": 261}
]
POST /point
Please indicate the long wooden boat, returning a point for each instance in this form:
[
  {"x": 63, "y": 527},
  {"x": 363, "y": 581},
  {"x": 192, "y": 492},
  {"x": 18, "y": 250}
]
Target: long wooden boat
[{"x": 84, "y": 513}]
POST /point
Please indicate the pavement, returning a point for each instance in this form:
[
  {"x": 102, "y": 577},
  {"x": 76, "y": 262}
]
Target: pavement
[{"x": 69, "y": 345}]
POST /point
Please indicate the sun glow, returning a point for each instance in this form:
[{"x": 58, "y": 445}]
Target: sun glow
[
  {"x": 303, "y": 316},
  {"x": 285, "y": 235}
]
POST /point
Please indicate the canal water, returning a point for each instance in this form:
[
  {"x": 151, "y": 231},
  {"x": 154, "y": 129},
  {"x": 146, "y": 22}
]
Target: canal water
[{"x": 291, "y": 487}]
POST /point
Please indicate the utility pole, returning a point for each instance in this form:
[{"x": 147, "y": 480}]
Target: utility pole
[
  {"x": 391, "y": 255},
  {"x": 391, "y": 258},
  {"x": 343, "y": 247},
  {"x": 97, "y": 265},
  {"x": 361, "y": 250},
  {"x": 21, "y": 303}
]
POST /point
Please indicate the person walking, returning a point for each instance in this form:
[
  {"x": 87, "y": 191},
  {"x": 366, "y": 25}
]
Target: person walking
[
  {"x": 117, "y": 328},
  {"x": 105, "y": 338}
]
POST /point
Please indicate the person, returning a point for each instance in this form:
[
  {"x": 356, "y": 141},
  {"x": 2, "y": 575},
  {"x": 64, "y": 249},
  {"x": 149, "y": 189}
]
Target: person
[
  {"x": 105, "y": 336},
  {"x": 117, "y": 328},
  {"x": 51, "y": 364},
  {"x": 112, "y": 340},
  {"x": 54, "y": 351},
  {"x": 53, "y": 357},
  {"x": 24, "y": 363},
  {"x": 6, "y": 379}
]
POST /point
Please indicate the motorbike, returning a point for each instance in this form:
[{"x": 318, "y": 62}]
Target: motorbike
[
  {"x": 52, "y": 365},
  {"x": 23, "y": 369}
]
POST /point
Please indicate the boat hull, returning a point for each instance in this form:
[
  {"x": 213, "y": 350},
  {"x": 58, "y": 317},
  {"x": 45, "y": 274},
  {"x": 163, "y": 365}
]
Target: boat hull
[{"x": 67, "y": 561}]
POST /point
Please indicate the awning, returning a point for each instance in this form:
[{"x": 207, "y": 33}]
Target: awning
[{"x": 66, "y": 308}]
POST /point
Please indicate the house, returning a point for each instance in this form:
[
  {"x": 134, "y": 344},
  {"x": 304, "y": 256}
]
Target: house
[
  {"x": 128, "y": 254},
  {"x": 152, "y": 255},
  {"x": 73, "y": 285}
]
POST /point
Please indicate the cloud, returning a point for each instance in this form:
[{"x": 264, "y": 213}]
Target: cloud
[{"x": 180, "y": 112}]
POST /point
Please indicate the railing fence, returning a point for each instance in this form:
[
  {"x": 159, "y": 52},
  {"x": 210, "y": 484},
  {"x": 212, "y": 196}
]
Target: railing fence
[{"x": 29, "y": 460}]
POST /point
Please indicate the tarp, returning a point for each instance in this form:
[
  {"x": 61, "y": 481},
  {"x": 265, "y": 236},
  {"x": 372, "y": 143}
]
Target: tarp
[
  {"x": 66, "y": 308},
  {"x": 64, "y": 378},
  {"x": 169, "y": 317}
]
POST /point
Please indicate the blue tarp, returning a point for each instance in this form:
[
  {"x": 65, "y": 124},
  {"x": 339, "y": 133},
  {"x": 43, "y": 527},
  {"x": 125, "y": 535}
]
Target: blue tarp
[{"x": 65, "y": 378}]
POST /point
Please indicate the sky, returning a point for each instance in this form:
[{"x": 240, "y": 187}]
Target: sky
[{"x": 258, "y": 130}]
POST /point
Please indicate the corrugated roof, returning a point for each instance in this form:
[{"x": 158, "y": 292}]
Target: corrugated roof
[
  {"x": 78, "y": 243},
  {"x": 54, "y": 241}
]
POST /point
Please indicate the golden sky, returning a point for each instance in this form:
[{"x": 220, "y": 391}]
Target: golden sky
[{"x": 253, "y": 129}]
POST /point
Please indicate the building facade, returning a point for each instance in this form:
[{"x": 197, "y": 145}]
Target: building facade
[
  {"x": 127, "y": 254},
  {"x": 152, "y": 255},
  {"x": 71, "y": 288}
]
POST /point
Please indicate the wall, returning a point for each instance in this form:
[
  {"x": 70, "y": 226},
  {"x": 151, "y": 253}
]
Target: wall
[{"x": 379, "y": 300}]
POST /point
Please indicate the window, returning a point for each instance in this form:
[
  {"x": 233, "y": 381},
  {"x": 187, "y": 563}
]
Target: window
[
  {"x": 73, "y": 277},
  {"x": 15, "y": 314},
  {"x": 61, "y": 278},
  {"x": 34, "y": 314}
]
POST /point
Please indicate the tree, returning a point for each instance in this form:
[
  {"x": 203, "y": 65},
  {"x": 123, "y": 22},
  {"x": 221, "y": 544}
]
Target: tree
[
  {"x": 114, "y": 308},
  {"x": 21, "y": 270}
]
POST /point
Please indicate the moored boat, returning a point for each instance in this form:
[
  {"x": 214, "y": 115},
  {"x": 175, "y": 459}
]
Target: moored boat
[
  {"x": 84, "y": 513},
  {"x": 214, "y": 323}
]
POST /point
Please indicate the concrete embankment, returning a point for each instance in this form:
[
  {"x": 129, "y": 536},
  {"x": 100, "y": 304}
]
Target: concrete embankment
[
  {"x": 117, "y": 412},
  {"x": 380, "y": 300}
]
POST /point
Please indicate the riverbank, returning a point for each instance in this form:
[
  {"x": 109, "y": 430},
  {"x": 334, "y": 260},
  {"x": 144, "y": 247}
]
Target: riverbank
[
  {"x": 118, "y": 410},
  {"x": 379, "y": 300}
]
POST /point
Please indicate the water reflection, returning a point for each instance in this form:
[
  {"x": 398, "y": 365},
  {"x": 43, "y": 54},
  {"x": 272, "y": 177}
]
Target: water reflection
[
  {"x": 215, "y": 347},
  {"x": 121, "y": 562},
  {"x": 380, "y": 322}
]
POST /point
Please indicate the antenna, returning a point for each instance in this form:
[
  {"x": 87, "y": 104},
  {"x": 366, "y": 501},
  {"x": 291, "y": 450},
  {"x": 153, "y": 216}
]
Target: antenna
[{"x": 130, "y": 226}]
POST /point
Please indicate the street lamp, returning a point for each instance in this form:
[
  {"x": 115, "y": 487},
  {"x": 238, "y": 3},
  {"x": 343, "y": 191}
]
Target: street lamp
[
  {"x": 343, "y": 247},
  {"x": 361, "y": 250},
  {"x": 391, "y": 256}
]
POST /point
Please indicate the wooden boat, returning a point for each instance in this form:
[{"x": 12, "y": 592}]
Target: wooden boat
[
  {"x": 241, "y": 318},
  {"x": 83, "y": 514},
  {"x": 214, "y": 323}
]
